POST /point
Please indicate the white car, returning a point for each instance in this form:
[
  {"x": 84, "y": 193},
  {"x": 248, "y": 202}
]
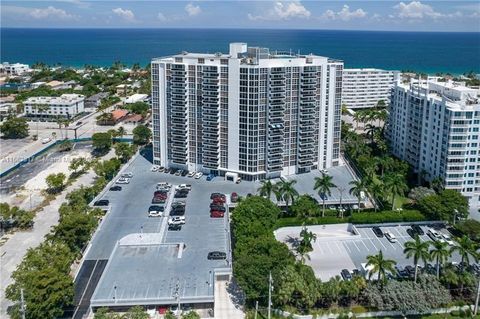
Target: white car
[
  {"x": 154, "y": 214},
  {"x": 123, "y": 180},
  {"x": 198, "y": 175},
  {"x": 391, "y": 237},
  {"x": 191, "y": 174},
  {"x": 448, "y": 239},
  {"x": 127, "y": 175},
  {"x": 46, "y": 140},
  {"x": 163, "y": 185},
  {"x": 161, "y": 169},
  {"x": 154, "y": 168},
  {"x": 184, "y": 186},
  {"x": 434, "y": 235},
  {"x": 177, "y": 220}
]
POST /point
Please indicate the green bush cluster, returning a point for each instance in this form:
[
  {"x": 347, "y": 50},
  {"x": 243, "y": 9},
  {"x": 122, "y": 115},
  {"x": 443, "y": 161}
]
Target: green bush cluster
[
  {"x": 12, "y": 216},
  {"x": 469, "y": 227},
  {"x": 355, "y": 218}
]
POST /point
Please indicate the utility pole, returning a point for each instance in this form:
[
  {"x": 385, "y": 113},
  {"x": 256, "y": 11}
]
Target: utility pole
[
  {"x": 22, "y": 304},
  {"x": 256, "y": 309},
  {"x": 270, "y": 295},
  {"x": 476, "y": 299}
]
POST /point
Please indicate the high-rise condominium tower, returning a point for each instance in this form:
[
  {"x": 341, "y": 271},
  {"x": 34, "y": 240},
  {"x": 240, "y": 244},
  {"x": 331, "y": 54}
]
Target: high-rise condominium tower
[
  {"x": 253, "y": 113},
  {"x": 434, "y": 126}
]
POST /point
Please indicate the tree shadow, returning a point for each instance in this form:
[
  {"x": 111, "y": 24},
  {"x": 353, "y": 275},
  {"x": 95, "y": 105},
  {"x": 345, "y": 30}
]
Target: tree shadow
[
  {"x": 237, "y": 295},
  {"x": 293, "y": 241}
]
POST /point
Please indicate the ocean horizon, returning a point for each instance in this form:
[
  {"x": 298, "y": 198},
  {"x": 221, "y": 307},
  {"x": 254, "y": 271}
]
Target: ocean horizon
[{"x": 429, "y": 52}]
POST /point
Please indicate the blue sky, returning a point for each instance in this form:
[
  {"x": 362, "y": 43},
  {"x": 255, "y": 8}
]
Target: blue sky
[{"x": 342, "y": 15}]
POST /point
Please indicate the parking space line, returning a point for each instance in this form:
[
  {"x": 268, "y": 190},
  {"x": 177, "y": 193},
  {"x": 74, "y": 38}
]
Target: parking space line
[
  {"x": 345, "y": 245},
  {"x": 355, "y": 243}
]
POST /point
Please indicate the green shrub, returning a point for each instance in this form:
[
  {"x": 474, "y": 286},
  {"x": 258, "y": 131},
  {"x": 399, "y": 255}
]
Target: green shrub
[{"x": 387, "y": 217}]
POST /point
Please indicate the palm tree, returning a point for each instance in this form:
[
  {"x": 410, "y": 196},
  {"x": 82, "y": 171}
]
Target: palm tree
[
  {"x": 375, "y": 190},
  {"x": 266, "y": 189},
  {"x": 359, "y": 188},
  {"x": 121, "y": 131},
  {"x": 287, "y": 191},
  {"x": 466, "y": 248},
  {"x": 417, "y": 249},
  {"x": 395, "y": 185},
  {"x": 357, "y": 118},
  {"x": 384, "y": 162},
  {"x": 305, "y": 245},
  {"x": 380, "y": 266},
  {"x": 440, "y": 253},
  {"x": 370, "y": 130},
  {"x": 322, "y": 186}
]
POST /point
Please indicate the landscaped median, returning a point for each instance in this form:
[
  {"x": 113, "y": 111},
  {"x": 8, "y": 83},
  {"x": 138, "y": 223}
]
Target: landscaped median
[{"x": 355, "y": 218}]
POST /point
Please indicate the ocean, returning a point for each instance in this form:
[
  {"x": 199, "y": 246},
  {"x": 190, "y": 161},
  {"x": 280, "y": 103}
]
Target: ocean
[{"x": 455, "y": 53}]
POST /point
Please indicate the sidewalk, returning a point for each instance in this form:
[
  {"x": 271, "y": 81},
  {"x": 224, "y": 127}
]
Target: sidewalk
[
  {"x": 12, "y": 252},
  {"x": 225, "y": 305}
]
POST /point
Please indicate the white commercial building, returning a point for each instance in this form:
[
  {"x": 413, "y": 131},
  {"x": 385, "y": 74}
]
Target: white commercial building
[
  {"x": 136, "y": 98},
  {"x": 251, "y": 112},
  {"x": 66, "y": 105},
  {"x": 363, "y": 88},
  {"x": 435, "y": 126},
  {"x": 14, "y": 69}
]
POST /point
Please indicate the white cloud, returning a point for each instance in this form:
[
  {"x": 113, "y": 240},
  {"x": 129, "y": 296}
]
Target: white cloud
[
  {"x": 192, "y": 10},
  {"x": 78, "y": 3},
  {"x": 161, "y": 17},
  {"x": 283, "y": 11},
  {"x": 51, "y": 12},
  {"x": 345, "y": 14},
  {"x": 416, "y": 10},
  {"x": 125, "y": 14}
]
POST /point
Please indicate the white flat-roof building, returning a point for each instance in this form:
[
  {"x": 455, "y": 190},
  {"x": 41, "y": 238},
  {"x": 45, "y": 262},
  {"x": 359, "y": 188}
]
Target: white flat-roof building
[
  {"x": 136, "y": 98},
  {"x": 66, "y": 105},
  {"x": 435, "y": 126},
  {"x": 253, "y": 112},
  {"x": 363, "y": 88},
  {"x": 15, "y": 68}
]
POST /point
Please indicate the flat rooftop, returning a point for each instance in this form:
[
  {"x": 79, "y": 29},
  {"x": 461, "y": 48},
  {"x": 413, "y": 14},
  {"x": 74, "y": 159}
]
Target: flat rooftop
[{"x": 62, "y": 99}]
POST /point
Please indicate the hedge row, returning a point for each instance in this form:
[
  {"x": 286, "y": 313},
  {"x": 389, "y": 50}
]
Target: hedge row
[{"x": 356, "y": 218}]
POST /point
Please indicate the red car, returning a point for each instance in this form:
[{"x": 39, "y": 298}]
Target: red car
[
  {"x": 234, "y": 197},
  {"x": 218, "y": 201},
  {"x": 216, "y": 214}
]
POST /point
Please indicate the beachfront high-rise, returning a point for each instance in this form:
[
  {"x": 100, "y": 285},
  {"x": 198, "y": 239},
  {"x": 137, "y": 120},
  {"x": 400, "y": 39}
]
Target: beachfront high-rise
[
  {"x": 364, "y": 88},
  {"x": 253, "y": 113},
  {"x": 435, "y": 126}
]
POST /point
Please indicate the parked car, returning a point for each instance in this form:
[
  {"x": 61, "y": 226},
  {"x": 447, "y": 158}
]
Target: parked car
[
  {"x": 377, "y": 231},
  {"x": 174, "y": 227},
  {"x": 123, "y": 180},
  {"x": 46, "y": 140},
  {"x": 79, "y": 123},
  {"x": 161, "y": 169},
  {"x": 346, "y": 275},
  {"x": 412, "y": 233},
  {"x": 116, "y": 188},
  {"x": 127, "y": 175},
  {"x": 154, "y": 214},
  {"x": 217, "y": 195},
  {"x": 167, "y": 170},
  {"x": 217, "y": 207},
  {"x": 154, "y": 168},
  {"x": 184, "y": 187},
  {"x": 390, "y": 236},
  {"x": 156, "y": 209},
  {"x": 178, "y": 204},
  {"x": 198, "y": 175},
  {"x": 410, "y": 270},
  {"x": 216, "y": 214},
  {"x": 210, "y": 177},
  {"x": 401, "y": 272},
  {"x": 158, "y": 200},
  {"x": 447, "y": 239},
  {"x": 173, "y": 171},
  {"x": 213, "y": 255},
  {"x": 417, "y": 229},
  {"x": 191, "y": 174},
  {"x": 433, "y": 234},
  {"x": 179, "y": 172},
  {"x": 234, "y": 197},
  {"x": 181, "y": 194},
  {"x": 102, "y": 202},
  {"x": 184, "y": 173},
  {"x": 176, "y": 220},
  {"x": 177, "y": 213}
]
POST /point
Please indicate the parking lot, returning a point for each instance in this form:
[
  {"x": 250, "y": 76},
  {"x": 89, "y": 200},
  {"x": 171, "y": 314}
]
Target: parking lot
[
  {"x": 149, "y": 264},
  {"x": 346, "y": 246}
]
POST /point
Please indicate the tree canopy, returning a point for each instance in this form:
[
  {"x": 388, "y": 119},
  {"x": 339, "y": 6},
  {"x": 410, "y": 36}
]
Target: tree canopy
[{"x": 14, "y": 127}]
